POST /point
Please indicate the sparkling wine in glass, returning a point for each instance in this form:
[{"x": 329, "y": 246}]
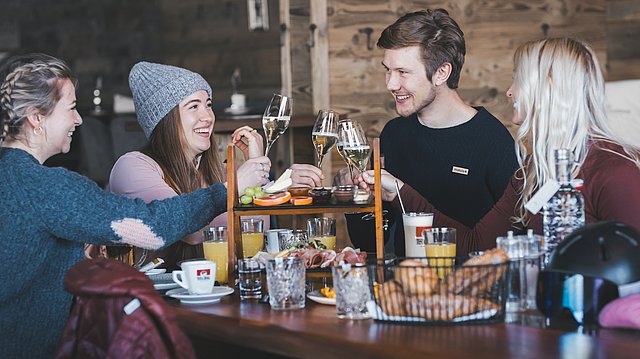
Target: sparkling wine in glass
[
  {"x": 325, "y": 133},
  {"x": 352, "y": 145},
  {"x": 275, "y": 119}
]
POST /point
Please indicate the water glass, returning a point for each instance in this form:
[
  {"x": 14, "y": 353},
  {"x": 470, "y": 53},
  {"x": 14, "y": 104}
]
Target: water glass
[
  {"x": 285, "y": 279},
  {"x": 290, "y": 238},
  {"x": 351, "y": 284},
  {"x": 526, "y": 254},
  {"x": 272, "y": 243},
  {"x": 249, "y": 279}
]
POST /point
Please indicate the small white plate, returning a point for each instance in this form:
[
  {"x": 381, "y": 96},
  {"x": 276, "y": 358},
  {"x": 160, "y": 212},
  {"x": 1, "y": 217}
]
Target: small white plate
[
  {"x": 183, "y": 295},
  {"x": 317, "y": 297},
  {"x": 156, "y": 271},
  {"x": 166, "y": 286}
]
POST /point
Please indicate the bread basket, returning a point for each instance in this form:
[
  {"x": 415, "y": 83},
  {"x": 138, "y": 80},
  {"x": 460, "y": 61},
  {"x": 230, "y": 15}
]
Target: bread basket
[{"x": 437, "y": 291}]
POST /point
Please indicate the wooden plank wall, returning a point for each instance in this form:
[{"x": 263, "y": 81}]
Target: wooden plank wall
[
  {"x": 623, "y": 32},
  {"x": 493, "y": 29},
  {"x": 212, "y": 37}
]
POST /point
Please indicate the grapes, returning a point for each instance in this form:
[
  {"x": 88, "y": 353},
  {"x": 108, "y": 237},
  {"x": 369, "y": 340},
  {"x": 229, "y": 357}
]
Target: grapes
[{"x": 250, "y": 193}]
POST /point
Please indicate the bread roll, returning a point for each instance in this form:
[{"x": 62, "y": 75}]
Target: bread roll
[{"x": 416, "y": 278}]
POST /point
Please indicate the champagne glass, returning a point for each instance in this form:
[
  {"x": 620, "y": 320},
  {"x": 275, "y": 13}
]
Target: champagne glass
[
  {"x": 325, "y": 133},
  {"x": 276, "y": 119},
  {"x": 355, "y": 149}
]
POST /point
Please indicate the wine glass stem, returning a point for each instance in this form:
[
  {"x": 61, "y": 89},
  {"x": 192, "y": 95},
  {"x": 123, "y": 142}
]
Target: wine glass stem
[
  {"x": 320, "y": 161},
  {"x": 350, "y": 166},
  {"x": 266, "y": 151}
]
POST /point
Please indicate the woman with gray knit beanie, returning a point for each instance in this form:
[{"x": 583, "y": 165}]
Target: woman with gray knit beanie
[
  {"x": 47, "y": 214},
  {"x": 174, "y": 108}
]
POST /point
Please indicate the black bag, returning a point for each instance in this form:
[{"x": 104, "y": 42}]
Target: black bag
[{"x": 361, "y": 227}]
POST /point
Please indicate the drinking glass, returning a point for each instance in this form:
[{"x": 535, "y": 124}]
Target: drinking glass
[
  {"x": 323, "y": 230},
  {"x": 249, "y": 279},
  {"x": 325, "y": 133},
  {"x": 354, "y": 147},
  {"x": 440, "y": 243},
  {"x": 285, "y": 280},
  {"x": 275, "y": 119},
  {"x": 352, "y": 291},
  {"x": 216, "y": 250},
  {"x": 252, "y": 230}
]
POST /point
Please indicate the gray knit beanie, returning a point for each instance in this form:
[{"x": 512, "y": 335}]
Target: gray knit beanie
[{"x": 159, "y": 88}]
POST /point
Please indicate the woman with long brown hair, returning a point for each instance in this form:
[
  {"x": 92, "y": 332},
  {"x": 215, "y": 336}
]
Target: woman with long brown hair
[{"x": 173, "y": 106}]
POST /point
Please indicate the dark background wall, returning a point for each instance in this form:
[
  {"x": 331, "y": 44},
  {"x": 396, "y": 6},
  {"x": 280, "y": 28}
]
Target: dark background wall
[{"x": 105, "y": 38}]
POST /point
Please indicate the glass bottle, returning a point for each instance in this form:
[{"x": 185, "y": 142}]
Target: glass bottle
[{"x": 564, "y": 212}]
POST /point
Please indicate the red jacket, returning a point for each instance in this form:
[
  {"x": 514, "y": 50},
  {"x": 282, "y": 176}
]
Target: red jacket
[{"x": 99, "y": 327}]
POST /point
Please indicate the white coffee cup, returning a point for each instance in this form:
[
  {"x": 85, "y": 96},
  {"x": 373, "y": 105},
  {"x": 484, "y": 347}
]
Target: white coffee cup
[
  {"x": 198, "y": 277},
  {"x": 238, "y": 101}
]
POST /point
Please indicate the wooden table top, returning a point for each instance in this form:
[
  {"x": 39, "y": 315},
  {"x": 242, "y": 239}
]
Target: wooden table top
[{"x": 316, "y": 332}]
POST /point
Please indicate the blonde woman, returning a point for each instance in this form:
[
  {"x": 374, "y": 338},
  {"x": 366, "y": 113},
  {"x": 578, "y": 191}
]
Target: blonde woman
[
  {"x": 174, "y": 108},
  {"x": 47, "y": 214},
  {"x": 558, "y": 99}
]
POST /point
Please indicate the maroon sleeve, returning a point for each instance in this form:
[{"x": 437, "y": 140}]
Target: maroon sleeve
[
  {"x": 483, "y": 235},
  {"x": 612, "y": 191}
]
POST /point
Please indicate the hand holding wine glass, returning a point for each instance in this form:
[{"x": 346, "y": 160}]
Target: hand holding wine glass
[
  {"x": 353, "y": 145},
  {"x": 275, "y": 119},
  {"x": 325, "y": 133}
]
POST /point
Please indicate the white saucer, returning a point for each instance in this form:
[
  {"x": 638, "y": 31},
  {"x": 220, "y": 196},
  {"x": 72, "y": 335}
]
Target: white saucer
[
  {"x": 183, "y": 295},
  {"x": 166, "y": 286},
  {"x": 237, "y": 111},
  {"x": 317, "y": 297},
  {"x": 156, "y": 271}
]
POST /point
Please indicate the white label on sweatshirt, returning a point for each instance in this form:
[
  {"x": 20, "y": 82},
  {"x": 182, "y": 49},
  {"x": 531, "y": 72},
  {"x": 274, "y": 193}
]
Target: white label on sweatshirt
[
  {"x": 460, "y": 170},
  {"x": 543, "y": 196}
]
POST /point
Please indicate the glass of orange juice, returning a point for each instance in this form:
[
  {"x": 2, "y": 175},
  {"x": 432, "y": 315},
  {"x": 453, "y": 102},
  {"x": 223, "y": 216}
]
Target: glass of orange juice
[
  {"x": 216, "y": 249},
  {"x": 252, "y": 230},
  {"x": 440, "y": 243},
  {"x": 323, "y": 230}
]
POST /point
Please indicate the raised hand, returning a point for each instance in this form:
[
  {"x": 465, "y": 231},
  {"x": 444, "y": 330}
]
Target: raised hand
[
  {"x": 387, "y": 181},
  {"x": 306, "y": 175},
  {"x": 254, "y": 171},
  {"x": 249, "y": 141}
]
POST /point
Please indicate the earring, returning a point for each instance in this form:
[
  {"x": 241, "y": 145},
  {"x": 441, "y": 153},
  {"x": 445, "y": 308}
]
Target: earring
[{"x": 38, "y": 131}]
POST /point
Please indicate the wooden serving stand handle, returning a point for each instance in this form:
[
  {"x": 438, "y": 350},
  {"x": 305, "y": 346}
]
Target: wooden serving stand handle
[{"x": 233, "y": 216}]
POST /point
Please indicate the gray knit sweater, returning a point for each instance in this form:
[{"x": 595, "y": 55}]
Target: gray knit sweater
[{"x": 46, "y": 214}]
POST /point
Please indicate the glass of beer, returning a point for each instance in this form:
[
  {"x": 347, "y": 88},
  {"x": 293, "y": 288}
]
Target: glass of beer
[
  {"x": 322, "y": 230},
  {"x": 252, "y": 230},
  {"x": 440, "y": 243},
  {"x": 216, "y": 250}
]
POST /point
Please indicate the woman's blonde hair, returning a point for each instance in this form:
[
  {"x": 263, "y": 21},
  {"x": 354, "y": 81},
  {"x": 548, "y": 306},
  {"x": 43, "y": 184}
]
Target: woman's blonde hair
[
  {"x": 560, "y": 98},
  {"x": 181, "y": 173},
  {"x": 29, "y": 84}
]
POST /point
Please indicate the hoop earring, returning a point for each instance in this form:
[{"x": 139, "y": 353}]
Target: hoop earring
[{"x": 38, "y": 131}]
